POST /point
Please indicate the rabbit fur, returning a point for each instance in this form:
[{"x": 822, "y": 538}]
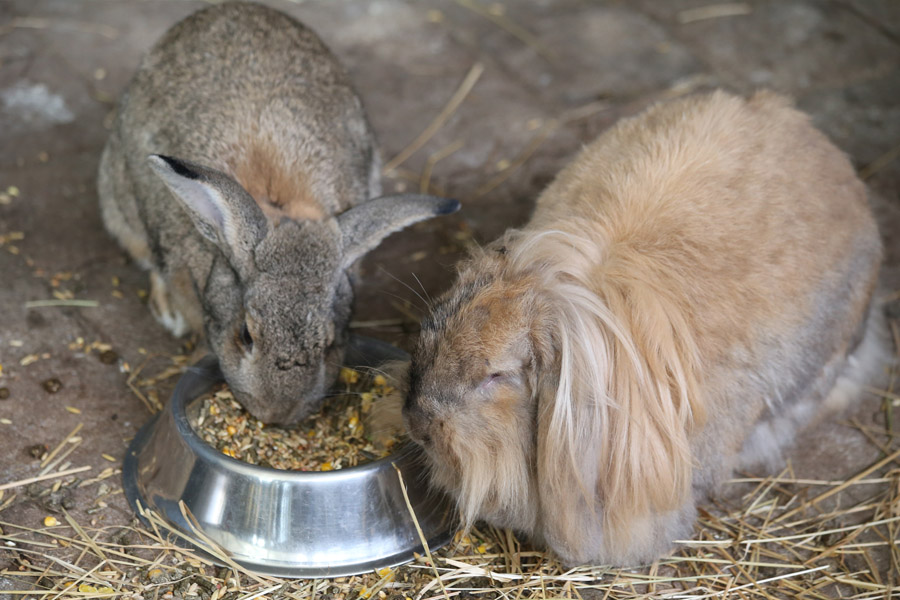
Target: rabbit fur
[
  {"x": 241, "y": 171},
  {"x": 693, "y": 288}
]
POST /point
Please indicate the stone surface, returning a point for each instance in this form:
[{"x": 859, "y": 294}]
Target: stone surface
[{"x": 543, "y": 93}]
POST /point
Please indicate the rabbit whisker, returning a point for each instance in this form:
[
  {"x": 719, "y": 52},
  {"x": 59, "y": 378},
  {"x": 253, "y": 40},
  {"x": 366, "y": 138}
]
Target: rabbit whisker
[
  {"x": 427, "y": 306},
  {"x": 424, "y": 291}
]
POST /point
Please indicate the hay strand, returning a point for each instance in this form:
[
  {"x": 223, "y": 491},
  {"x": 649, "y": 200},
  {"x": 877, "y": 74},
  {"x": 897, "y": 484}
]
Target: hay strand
[
  {"x": 448, "y": 111},
  {"x": 45, "y": 477}
]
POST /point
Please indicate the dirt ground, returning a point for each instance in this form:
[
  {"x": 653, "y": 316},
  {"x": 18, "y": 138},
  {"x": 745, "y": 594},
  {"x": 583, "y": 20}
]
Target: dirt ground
[{"x": 553, "y": 74}]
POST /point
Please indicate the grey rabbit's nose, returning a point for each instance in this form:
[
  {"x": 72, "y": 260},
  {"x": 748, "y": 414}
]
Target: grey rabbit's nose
[{"x": 289, "y": 362}]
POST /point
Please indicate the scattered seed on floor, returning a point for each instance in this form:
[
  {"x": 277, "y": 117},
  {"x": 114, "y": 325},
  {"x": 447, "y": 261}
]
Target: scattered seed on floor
[
  {"x": 38, "y": 450},
  {"x": 28, "y": 359},
  {"x": 50, "y": 521},
  {"x": 73, "y": 410},
  {"x": 52, "y": 385},
  {"x": 108, "y": 357}
]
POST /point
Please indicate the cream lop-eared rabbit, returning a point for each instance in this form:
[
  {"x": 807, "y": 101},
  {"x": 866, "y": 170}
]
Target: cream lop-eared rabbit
[
  {"x": 693, "y": 288},
  {"x": 242, "y": 172}
]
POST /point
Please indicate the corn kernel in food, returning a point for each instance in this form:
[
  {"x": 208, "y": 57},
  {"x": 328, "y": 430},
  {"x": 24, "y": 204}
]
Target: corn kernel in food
[{"x": 349, "y": 375}]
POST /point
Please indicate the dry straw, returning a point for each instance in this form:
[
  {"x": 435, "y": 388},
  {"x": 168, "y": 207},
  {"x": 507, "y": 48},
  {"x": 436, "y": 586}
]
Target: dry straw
[{"x": 779, "y": 537}]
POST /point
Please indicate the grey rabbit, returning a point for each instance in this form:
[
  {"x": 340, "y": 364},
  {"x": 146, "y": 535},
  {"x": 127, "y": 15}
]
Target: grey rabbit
[{"x": 241, "y": 171}]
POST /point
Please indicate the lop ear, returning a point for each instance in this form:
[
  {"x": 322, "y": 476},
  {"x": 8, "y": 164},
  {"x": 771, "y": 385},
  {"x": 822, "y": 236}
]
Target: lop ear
[
  {"x": 613, "y": 437},
  {"x": 568, "y": 464},
  {"x": 365, "y": 226},
  {"x": 222, "y": 211}
]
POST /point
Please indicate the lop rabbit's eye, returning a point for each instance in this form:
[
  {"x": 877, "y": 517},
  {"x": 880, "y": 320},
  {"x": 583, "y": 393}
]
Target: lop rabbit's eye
[
  {"x": 492, "y": 378},
  {"x": 246, "y": 338}
]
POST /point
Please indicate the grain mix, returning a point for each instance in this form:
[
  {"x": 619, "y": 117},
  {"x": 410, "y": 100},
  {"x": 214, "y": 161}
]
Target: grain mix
[{"x": 334, "y": 438}]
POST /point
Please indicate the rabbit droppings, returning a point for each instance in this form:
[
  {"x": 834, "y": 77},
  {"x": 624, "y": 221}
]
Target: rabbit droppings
[
  {"x": 239, "y": 172},
  {"x": 693, "y": 288}
]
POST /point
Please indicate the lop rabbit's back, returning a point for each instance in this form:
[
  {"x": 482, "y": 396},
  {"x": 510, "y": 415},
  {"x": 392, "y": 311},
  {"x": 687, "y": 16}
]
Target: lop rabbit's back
[{"x": 739, "y": 222}]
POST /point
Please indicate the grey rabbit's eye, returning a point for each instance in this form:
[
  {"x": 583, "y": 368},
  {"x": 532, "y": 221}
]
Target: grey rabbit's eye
[{"x": 246, "y": 338}]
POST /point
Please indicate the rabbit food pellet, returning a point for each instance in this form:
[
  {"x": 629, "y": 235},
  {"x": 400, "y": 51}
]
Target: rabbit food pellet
[{"x": 334, "y": 438}]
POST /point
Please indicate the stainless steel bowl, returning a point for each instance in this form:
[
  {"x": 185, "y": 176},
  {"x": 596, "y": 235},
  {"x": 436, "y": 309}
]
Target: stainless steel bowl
[{"x": 283, "y": 523}]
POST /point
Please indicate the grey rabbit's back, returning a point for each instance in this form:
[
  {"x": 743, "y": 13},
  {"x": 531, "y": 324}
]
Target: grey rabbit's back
[
  {"x": 262, "y": 124},
  {"x": 264, "y": 100}
]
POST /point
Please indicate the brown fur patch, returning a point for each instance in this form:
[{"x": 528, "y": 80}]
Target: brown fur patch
[{"x": 279, "y": 189}]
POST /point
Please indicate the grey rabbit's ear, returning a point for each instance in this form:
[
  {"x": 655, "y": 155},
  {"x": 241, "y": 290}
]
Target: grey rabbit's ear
[
  {"x": 223, "y": 212},
  {"x": 364, "y": 226}
]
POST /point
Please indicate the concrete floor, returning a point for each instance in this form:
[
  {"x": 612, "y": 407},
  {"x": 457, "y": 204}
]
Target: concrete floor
[{"x": 556, "y": 73}]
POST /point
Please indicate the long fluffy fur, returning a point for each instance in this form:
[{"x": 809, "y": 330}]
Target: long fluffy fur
[
  {"x": 691, "y": 290},
  {"x": 635, "y": 419}
]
